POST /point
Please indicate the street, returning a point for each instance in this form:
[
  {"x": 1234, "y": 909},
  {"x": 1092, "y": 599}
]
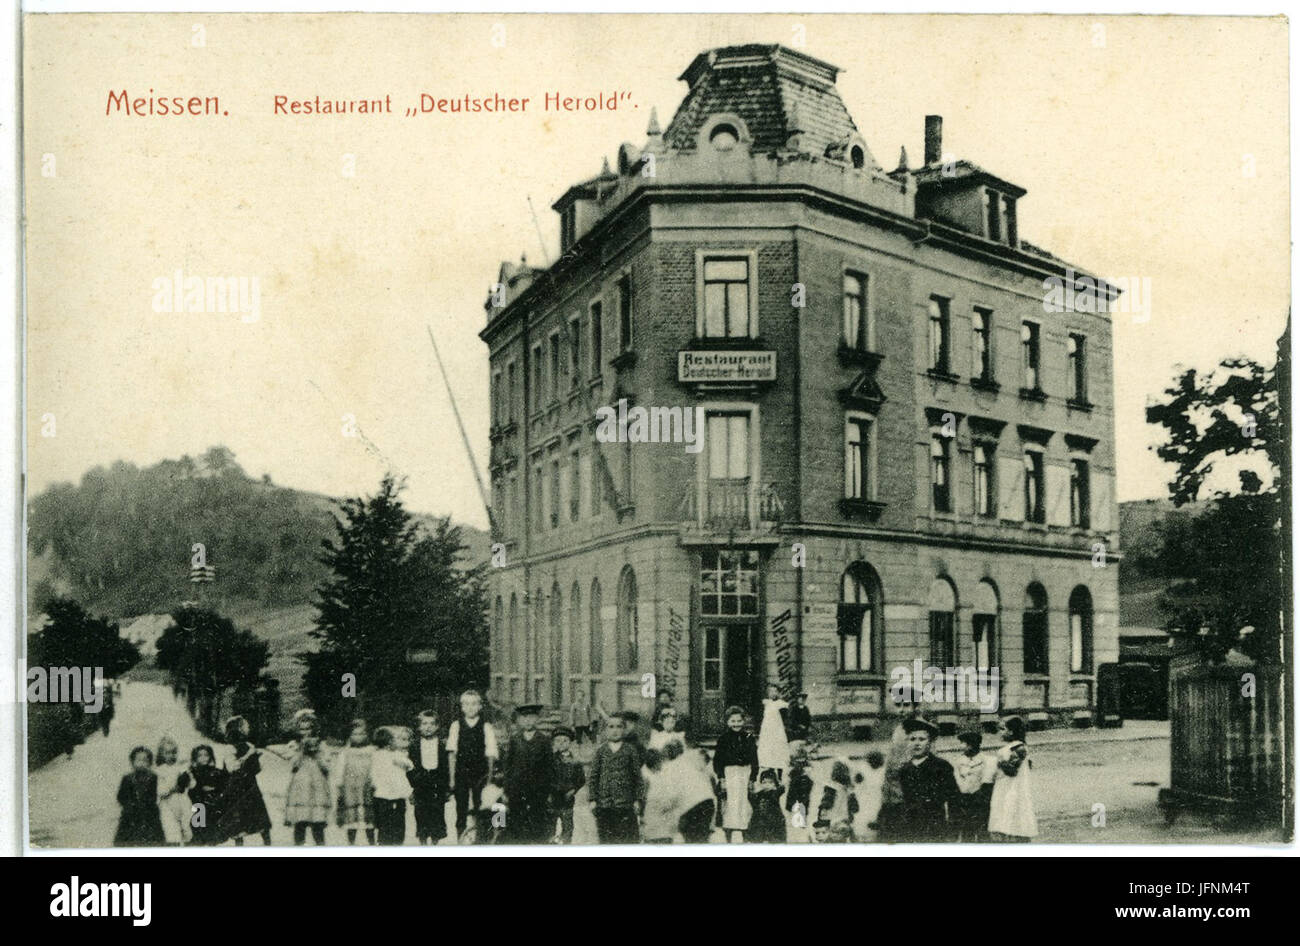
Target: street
[{"x": 72, "y": 799}]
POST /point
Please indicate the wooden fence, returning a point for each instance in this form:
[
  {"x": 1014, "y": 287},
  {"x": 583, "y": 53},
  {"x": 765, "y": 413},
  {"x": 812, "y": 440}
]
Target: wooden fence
[{"x": 1226, "y": 739}]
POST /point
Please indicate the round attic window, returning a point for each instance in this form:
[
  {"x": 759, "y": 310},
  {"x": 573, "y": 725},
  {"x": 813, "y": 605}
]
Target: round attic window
[
  {"x": 724, "y": 137},
  {"x": 857, "y": 156}
]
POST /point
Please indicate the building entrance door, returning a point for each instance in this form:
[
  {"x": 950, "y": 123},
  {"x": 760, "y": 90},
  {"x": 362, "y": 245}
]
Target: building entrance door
[{"x": 724, "y": 673}]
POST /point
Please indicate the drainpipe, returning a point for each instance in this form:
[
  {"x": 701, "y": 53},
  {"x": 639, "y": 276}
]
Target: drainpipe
[
  {"x": 529, "y": 394},
  {"x": 797, "y": 502}
]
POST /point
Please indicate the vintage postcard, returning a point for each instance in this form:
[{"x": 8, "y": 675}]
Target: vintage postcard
[{"x": 656, "y": 429}]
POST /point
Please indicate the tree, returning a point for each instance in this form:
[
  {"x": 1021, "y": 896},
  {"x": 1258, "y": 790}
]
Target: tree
[
  {"x": 72, "y": 638},
  {"x": 1232, "y": 412},
  {"x": 1225, "y": 562},
  {"x": 394, "y": 590},
  {"x": 207, "y": 653}
]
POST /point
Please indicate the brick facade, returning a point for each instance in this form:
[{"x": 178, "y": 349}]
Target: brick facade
[{"x": 795, "y": 228}]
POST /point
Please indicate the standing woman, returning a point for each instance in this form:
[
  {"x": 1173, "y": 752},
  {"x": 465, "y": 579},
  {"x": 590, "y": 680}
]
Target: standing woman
[
  {"x": 1011, "y": 810},
  {"x": 735, "y": 762},
  {"x": 773, "y": 746}
]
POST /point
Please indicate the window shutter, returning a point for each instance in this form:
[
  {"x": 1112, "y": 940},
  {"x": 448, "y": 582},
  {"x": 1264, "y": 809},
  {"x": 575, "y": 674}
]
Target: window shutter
[
  {"x": 1058, "y": 494},
  {"x": 1011, "y": 488}
]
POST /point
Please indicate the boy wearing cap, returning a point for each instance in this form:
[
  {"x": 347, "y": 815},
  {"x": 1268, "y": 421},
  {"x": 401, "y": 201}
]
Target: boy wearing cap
[
  {"x": 929, "y": 787},
  {"x": 530, "y": 773},
  {"x": 569, "y": 777}
]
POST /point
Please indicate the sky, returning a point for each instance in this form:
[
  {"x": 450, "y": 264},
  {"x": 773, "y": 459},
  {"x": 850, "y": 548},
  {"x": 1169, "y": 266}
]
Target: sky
[{"x": 1153, "y": 148}]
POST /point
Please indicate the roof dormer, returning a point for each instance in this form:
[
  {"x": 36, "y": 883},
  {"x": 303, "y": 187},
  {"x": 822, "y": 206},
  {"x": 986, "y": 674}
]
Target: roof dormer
[{"x": 962, "y": 194}]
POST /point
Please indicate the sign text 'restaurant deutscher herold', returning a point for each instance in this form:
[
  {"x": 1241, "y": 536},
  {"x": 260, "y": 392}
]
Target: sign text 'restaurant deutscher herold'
[{"x": 726, "y": 366}]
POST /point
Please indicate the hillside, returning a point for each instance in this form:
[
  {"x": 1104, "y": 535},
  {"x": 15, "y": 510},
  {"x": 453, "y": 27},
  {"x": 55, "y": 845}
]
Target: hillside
[{"x": 122, "y": 541}]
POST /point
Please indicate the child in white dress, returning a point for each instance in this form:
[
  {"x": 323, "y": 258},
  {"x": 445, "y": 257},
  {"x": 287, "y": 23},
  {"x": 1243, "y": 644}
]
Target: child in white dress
[
  {"x": 773, "y": 748},
  {"x": 1011, "y": 810},
  {"x": 173, "y": 784}
]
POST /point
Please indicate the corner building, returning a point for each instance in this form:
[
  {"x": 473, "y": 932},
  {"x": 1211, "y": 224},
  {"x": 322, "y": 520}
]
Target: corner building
[{"x": 906, "y": 456}]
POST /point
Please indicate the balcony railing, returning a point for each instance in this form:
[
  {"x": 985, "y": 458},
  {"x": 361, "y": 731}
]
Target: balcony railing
[{"x": 731, "y": 505}]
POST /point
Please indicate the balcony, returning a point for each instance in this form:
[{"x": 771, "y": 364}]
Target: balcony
[{"x": 732, "y": 509}]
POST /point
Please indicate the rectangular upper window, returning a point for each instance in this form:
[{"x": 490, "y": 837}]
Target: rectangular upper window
[
  {"x": 557, "y": 365},
  {"x": 727, "y": 299},
  {"x": 597, "y": 340},
  {"x": 1031, "y": 355},
  {"x": 555, "y": 493},
  {"x": 857, "y": 458},
  {"x": 510, "y": 392},
  {"x": 993, "y": 214},
  {"x": 538, "y": 375},
  {"x": 984, "y": 456},
  {"x": 568, "y": 227},
  {"x": 1076, "y": 347},
  {"x": 575, "y": 350},
  {"x": 1035, "y": 505},
  {"x": 858, "y": 334},
  {"x": 625, "y": 314},
  {"x": 575, "y": 486},
  {"x": 941, "y": 472},
  {"x": 1080, "y": 500},
  {"x": 940, "y": 360},
  {"x": 982, "y": 343}
]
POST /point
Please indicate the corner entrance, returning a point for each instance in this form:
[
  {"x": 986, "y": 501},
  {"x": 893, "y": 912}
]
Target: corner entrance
[{"x": 723, "y": 673}]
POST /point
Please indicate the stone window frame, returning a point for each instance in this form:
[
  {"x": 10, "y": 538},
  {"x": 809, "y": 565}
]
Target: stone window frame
[
  {"x": 870, "y": 470},
  {"x": 750, "y": 255}
]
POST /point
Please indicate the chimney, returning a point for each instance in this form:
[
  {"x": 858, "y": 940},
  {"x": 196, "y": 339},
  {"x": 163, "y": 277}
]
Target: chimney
[{"x": 933, "y": 139}]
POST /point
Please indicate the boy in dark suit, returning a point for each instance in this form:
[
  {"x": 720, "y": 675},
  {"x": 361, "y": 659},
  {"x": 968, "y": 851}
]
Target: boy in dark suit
[
  {"x": 930, "y": 793},
  {"x": 530, "y": 776},
  {"x": 798, "y": 719},
  {"x": 428, "y": 778},
  {"x": 569, "y": 777}
]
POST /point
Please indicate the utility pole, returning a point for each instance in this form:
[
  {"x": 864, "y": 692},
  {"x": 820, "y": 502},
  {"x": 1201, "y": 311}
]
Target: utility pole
[{"x": 478, "y": 477}]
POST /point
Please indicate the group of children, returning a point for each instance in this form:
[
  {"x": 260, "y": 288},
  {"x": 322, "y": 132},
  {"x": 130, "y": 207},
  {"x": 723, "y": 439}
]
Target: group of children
[
  {"x": 757, "y": 787},
  {"x": 166, "y": 802}
]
